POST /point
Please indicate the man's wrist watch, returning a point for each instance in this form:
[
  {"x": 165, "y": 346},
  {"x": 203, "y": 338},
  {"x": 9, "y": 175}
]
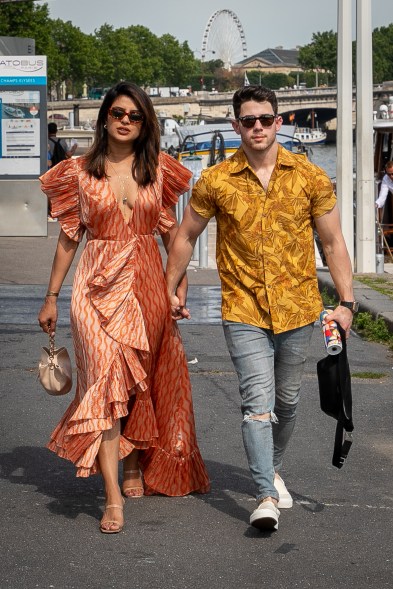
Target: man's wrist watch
[{"x": 352, "y": 305}]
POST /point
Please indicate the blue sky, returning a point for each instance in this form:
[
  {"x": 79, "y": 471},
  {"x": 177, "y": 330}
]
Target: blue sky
[{"x": 266, "y": 24}]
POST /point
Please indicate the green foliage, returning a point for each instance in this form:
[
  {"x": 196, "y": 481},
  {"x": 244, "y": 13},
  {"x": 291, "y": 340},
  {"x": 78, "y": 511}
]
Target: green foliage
[
  {"x": 136, "y": 54},
  {"x": 321, "y": 54},
  {"x": 374, "y": 330},
  {"x": 270, "y": 80},
  {"x": 328, "y": 299},
  {"x": 379, "y": 283},
  {"x": 383, "y": 54},
  {"x": 30, "y": 20},
  {"x": 369, "y": 375}
]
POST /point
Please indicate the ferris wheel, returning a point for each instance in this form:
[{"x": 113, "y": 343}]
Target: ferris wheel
[{"x": 224, "y": 38}]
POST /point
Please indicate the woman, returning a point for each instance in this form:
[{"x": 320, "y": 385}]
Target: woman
[{"x": 133, "y": 397}]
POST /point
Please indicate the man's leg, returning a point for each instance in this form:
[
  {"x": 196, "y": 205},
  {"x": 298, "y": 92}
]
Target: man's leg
[
  {"x": 291, "y": 350},
  {"x": 252, "y": 353}
]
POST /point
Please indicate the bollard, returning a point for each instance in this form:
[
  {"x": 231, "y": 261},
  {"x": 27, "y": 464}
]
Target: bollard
[{"x": 380, "y": 264}]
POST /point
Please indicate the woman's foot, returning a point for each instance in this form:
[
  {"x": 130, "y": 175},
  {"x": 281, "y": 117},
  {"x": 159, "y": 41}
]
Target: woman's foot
[
  {"x": 112, "y": 521},
  {"x": 132, "y": 484}
]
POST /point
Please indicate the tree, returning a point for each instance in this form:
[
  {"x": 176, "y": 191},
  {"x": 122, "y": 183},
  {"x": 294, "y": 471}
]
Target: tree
[
  {"x": 72, "y": 57},
  {"x": 32, "y": 22},
  {"x": 383, "y": 54},
  {"x": 320, "y": 54},
  {"x": 178, "y": 62}
]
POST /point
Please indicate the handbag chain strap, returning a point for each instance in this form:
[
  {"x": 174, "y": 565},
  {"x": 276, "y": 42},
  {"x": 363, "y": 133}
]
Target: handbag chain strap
[{"x": 51, "y": 351}]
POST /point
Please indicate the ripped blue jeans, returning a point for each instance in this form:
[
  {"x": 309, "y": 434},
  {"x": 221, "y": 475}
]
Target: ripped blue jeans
[{"x": 270, "y": 369}]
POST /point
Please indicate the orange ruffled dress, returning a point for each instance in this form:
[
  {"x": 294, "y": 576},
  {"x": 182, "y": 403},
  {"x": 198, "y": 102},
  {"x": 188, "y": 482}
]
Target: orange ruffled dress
[{"x": 129, "y": 354}]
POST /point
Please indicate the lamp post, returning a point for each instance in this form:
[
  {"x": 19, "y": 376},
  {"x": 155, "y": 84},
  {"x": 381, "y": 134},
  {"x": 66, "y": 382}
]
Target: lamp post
[
  {"x": 365, "y": 207},
  {"x": 344, "y": 183}
]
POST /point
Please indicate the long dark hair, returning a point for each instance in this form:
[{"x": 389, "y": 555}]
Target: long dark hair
[{"x": 146, "y": 146}]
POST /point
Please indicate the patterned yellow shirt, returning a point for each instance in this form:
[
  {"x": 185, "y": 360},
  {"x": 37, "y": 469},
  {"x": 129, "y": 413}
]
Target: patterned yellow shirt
[{"x": 265, "y": 246}]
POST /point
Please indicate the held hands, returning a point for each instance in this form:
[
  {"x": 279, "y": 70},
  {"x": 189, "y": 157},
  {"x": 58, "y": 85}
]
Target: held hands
[
  {"x": 47, "y": 317},
  {"x": 178, "y": 311},
  {"x": 178, "y": 301}
]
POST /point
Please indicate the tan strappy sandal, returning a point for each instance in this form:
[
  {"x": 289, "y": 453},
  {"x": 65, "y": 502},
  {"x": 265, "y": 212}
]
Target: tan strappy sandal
[
  {"x": 110, "y": 522},
  {"x": 130, "y": 490}
]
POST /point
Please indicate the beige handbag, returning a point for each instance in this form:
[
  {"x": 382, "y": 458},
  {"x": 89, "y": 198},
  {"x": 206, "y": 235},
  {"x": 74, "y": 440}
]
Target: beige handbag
[{"x": 55, "y": 372}]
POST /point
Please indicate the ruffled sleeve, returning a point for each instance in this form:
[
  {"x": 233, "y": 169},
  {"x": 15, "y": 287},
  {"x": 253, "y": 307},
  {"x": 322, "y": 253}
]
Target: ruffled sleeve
[
  {"x": 175, "y": 180},
  {"x": 61, "y": 185}
]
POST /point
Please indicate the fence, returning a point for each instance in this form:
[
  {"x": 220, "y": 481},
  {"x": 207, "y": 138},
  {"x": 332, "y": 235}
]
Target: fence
[{"x": 200, "y": 255}]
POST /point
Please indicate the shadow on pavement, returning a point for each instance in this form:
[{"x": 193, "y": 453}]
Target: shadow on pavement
[{"x": 40, "y": 468}]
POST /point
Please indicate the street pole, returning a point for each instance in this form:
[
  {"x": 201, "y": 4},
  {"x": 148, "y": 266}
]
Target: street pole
[
  {"x": 344, "y": 142},
  {"x": 365, "y": 205}
]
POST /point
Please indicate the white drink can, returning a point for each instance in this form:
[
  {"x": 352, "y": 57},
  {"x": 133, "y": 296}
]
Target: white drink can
[{"x": 331, "y": 334}]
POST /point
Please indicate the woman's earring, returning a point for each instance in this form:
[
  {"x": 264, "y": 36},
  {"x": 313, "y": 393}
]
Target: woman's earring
[{"x": 105, "y": 126}]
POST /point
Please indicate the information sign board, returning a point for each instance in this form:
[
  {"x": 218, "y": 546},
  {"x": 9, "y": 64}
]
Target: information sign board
[{"x": 23, "y": 131}]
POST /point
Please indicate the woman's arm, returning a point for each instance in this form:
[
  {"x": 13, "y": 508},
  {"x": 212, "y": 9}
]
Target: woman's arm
[
  {"x": 65, "y": 253},
  {"x": 168, "y": 239}
]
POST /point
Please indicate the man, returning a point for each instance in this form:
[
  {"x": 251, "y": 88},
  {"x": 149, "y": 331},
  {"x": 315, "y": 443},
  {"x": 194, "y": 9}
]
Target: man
[
  {"x": 266, "y": 201},
  {"x": 64, "y": 152},
  {"x": 386, "y": 185}
]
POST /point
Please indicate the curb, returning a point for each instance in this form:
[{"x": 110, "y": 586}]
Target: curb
[{"x": 376, "y": 303}]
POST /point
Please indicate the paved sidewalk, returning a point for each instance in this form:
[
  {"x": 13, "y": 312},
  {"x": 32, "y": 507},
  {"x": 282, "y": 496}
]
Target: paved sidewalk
[{"x": 338, "y": 535}]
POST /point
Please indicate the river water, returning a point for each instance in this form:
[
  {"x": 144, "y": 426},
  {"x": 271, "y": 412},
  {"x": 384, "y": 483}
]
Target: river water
[{"x": 325, "y": 156}]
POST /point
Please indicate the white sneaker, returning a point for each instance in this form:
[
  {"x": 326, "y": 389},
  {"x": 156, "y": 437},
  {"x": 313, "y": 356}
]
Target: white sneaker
[
  {"x": 265, "y": 516},
  {"x": 285, "y": 501}
]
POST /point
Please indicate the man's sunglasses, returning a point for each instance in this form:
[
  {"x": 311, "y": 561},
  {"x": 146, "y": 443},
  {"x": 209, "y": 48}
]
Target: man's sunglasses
[
  {"x": 134, "y": 116},
  {"x": 249, "y": 120}
]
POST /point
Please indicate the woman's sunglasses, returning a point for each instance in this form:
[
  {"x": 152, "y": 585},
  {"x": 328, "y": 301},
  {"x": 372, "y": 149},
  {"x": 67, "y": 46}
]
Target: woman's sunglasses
[
  {"x": 249, "y": 120},
  {"x": 134, "y": 116}
]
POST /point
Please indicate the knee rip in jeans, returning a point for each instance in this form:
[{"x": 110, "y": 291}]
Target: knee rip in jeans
[{"x": 261, "y": 417}]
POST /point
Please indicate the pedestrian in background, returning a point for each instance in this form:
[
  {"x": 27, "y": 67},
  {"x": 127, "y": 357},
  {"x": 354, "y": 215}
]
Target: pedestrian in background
[
  {"x": 133, "y": 395},
  {"x": 266, "y": 201},
  {"x": 58, "y": 148},
  {"x": 386, "y": 185}
]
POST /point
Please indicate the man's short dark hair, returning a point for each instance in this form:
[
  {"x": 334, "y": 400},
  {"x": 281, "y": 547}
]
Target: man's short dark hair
[
  {"x": 52, "y": 128},
  {"x": 256, "y": 93}
]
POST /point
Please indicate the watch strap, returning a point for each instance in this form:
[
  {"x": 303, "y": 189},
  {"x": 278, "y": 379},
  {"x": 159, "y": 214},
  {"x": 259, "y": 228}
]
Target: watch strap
[{"x": 352, "y": 305}]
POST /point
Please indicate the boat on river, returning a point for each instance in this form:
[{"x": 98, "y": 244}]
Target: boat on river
[
  {"x": 310, "y": 136},
  {"x": 213, "y": 143}
]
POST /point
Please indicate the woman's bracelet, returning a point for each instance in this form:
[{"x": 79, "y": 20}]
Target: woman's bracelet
[{"x": 50, "y": 293}]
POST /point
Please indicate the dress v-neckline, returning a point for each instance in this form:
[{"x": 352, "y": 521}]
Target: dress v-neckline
[{"x": 119, "y": 204}]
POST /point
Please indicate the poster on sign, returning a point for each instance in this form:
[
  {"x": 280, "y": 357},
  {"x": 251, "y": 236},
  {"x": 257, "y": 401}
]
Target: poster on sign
[{"x": 22, "y": 116}]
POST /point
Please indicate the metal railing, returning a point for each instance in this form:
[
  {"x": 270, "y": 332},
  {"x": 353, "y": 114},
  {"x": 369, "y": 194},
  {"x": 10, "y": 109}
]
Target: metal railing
[{"x": 200, "y": 254}]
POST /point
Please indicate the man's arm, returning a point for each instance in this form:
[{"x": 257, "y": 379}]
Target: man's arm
[
  {"x": 167, "y": 239},
  {"x": 383, "y": 193},
  {"x": 179, "y": 257},
  {"x": 339, "y": 263}
]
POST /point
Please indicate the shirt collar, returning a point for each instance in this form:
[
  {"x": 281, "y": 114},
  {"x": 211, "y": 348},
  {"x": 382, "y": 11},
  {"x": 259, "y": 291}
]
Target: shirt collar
[{"x": 238, "y": 162}]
